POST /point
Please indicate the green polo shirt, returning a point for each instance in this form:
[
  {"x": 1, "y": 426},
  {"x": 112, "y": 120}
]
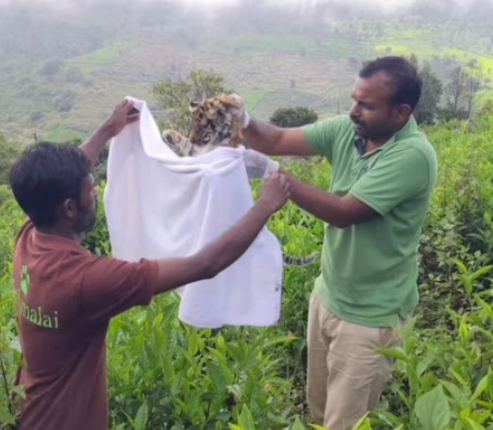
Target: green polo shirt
[{"x": 369, "y": 270}]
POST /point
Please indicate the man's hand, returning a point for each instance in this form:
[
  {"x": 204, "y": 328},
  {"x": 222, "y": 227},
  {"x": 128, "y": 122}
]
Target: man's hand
[
  {"x": 258, "y": 165},
  {"x": 275, "y": 192},
  {"x": 123, "y": 113},
  {"x": 268, "y": 138},
  {"x": 240, "y": 114}
]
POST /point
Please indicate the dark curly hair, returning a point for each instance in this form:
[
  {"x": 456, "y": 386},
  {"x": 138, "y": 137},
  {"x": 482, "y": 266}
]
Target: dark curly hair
[
  {"x": 44, "y": 176},
  {"x": 404, "y": 78}
]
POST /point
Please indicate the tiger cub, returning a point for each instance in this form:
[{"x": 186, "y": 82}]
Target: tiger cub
[{"x": 214, "y": 126}]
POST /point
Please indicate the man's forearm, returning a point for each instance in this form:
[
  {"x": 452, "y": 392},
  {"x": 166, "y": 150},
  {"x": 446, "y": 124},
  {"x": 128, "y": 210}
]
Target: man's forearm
[
  {"x": 321, "y": 204},
  {"x": 262, "y": 136},
  {"x": 95, "y": 144},
  {"x": 338, "y": 211}
]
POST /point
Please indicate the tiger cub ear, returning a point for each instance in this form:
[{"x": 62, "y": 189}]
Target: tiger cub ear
[{"x": 192, "y": 106}]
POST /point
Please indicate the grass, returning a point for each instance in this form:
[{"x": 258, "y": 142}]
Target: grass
[
  {"x": 99, "y": 58},
  {"x": 271, "y": 42},
  {"x": 485, "y": 62},
  {"x": 424, "y": 51},
  {"x": 63, "y": 134},
  {"x": 252, "y": 98},
  {"x": 483, "y": 97}
]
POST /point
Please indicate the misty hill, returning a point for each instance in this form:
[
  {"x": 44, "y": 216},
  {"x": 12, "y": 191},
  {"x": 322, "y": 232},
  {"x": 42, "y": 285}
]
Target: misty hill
[{"x": 62, "y": 69}]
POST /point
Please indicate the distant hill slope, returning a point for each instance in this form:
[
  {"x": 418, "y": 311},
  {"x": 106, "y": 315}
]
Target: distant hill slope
[{"x": 60, "y": 76}]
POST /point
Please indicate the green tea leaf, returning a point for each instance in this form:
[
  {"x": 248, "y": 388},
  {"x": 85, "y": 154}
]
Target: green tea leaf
[
  {"x": 141, "y": 417},
  {"x": 462, "y": 267},
  {"x": 424, "y": 363},
  {"x": 246, "y": 419},
  {"x": 481, "y": 387},
  {"x": 480, "y": 272},
  {"x": 396, "y": 353},
  {"x": 472, "y": 425},
  {"x": 432, "y": 409},
  {"x": 5, "y": 416},
  {"x": 458, "y": 395},
  {"x": 217, "y": 377},
  {"x": 490, "y": 384},
  {"x": 363, "y": 423},
  {"x": 297, "y": 424}
]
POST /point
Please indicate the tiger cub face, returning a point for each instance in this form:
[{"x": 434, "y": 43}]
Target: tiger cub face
[{"x": 212, "y": 126}]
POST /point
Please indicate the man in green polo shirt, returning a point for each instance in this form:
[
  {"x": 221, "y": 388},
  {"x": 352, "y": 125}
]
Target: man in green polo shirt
[{"x": 383, "y": 173}]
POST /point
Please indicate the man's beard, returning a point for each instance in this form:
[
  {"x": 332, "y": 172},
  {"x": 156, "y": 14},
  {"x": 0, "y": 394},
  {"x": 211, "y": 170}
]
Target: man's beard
[
  {"x": 87, "y": 219},
  {"x": 360, "y": 129},
  {"x": 375, "y": 132}
]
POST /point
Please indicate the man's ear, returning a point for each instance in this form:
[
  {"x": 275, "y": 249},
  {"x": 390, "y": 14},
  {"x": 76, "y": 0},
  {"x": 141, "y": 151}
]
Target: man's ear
[
  {"x": 402, "y": 113},
  {"x": 68, "y": 209}
]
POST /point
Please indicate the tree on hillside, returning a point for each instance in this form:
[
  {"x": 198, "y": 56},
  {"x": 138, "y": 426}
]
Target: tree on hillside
[
  {"x": 474, "y": 84},
  {"x": 293, "y": 117},
  {"x": 456, "y": 88},
  {"x": 428, "y": 107},
  {"x": 175, "y": 96},
  {"x": 461, "y": 93}
]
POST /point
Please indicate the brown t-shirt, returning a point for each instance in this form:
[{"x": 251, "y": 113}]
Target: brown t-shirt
[{"x": 66, "y": 299}]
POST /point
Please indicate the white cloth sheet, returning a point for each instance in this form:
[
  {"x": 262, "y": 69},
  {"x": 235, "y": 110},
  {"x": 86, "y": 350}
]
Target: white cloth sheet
[{"x": 159, "y": 205}]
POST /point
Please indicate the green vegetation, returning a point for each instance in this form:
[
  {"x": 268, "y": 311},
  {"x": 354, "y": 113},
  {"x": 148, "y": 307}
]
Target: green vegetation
[
  {"x": 99, "y": 58},
  {"x": 252, "y": 98},
  {"x": 165, "y": 374},
  {"x": 293, "y": 117},
  {"x": 175, "y": 96},
  {"x": 63, "y": 134}
]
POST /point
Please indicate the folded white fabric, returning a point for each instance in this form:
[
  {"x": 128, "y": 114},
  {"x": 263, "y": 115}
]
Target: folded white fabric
[{"x": 159, "y": 205}]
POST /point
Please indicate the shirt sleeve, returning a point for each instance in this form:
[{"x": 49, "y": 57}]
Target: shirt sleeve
[
  {"x": 396, "y": 177},
  {"x": 322, "y": 135},
  {"x": 110, "y": 286}
]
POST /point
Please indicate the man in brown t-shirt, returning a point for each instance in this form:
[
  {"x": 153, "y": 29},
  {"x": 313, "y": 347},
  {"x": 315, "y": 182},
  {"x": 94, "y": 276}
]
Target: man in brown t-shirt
[{"x": 67, "y": 296}]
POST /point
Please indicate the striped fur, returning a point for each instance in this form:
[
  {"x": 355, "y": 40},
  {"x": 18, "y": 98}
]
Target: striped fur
[{"x": 214, "y": 126}]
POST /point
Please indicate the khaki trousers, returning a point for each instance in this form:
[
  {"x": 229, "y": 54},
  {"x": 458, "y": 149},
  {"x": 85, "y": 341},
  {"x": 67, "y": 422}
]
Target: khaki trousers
[{"x": 345, "y": 375}]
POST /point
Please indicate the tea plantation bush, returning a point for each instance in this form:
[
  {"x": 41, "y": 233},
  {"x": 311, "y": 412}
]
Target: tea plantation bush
[{"x": 163, "y": 374}]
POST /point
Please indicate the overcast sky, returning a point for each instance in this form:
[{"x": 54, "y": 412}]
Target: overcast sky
[
  {"x": 383, "y": 5},
  {"x": 212, "y": 3}
]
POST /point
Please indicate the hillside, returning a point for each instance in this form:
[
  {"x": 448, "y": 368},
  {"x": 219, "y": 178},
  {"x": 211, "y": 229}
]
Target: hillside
[{"x": 61, "y": 74}]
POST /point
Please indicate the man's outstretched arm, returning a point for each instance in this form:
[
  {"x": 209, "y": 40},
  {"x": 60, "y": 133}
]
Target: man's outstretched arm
[
  {"x": 399, "y": 176},
  {"x": 338, "y": 211},
  {"x": 270, "y": 139}
]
